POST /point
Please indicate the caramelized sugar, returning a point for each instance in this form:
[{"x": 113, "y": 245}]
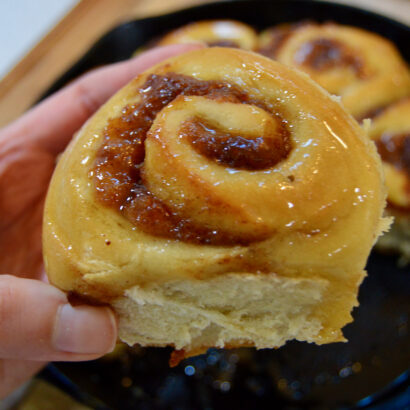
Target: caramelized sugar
[
  {"x": 119, "y": 161},
  {"x": 234, "y": 150}
]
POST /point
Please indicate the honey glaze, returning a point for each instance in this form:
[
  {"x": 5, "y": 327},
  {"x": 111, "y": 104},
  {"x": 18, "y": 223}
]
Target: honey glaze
[{"x": 118, "y": 168}]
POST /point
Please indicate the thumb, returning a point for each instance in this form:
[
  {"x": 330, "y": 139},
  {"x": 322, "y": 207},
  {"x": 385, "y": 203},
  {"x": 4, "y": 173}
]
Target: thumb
[{"x": 38, "y": 323}]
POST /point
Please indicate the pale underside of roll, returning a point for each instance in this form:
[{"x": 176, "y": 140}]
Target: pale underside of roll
[{"x": 284, "y": 241}]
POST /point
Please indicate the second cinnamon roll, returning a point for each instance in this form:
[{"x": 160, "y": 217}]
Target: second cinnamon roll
[
  {"x": 390, "y": 130},
  {"x": 365, "y": 69}
]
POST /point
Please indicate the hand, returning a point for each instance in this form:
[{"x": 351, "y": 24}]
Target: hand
[{"x": 37, "y": 324}]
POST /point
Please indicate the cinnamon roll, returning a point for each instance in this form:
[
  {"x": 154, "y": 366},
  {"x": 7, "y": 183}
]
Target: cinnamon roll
[
  {"x": 219, "y": 199},
  {"x": 390, "y": 130},
  {"x": 365, "y": 69},
  {"x": 222, "y": 33}
]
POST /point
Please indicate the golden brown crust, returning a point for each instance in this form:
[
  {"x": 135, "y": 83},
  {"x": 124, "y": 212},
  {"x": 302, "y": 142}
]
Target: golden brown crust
[{"x": 321, "y": 206}]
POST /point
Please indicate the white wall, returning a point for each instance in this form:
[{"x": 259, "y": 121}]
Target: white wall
[{"x": 23, "y": 23}]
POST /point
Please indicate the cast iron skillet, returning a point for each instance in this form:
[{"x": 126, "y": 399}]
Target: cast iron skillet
[{"x": 370, "y": 371}]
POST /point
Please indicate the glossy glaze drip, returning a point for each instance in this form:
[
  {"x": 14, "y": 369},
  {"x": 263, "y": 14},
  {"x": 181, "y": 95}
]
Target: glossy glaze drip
[{"x": 118, "y": 179}]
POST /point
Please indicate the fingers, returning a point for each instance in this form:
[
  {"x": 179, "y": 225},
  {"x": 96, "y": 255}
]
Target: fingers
[
  {"x": 15, "y": 372},
  {"x": 37, "y": 323},
  {"x": 52, "y": 123}
]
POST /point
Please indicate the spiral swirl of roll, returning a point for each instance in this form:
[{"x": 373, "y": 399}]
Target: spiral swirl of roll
[
  {"x": 218, "y": 161},
  {"x": 365, "y": 69}
]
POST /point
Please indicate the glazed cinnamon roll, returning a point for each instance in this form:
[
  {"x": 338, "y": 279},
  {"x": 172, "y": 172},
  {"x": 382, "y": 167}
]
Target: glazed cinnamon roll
[
  {"x": 219, "y": 199},
  {"x": 390, "y": 130},
  {"x": 222, "y": 33},
  {"x": 365, "y": 69}
]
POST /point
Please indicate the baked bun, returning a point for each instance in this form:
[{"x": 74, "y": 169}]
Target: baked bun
[
  {"x": 219, "y": 199},
  {"x": 390, "y": 130},
  {"x": 222, "y": 33},
  {"x": 365, "y": 69}
]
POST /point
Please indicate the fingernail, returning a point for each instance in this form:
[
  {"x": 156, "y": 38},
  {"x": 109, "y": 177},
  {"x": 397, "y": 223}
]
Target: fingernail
[{"x": 84, "y": 330}]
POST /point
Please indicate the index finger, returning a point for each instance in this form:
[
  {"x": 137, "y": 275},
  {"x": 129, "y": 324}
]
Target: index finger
[{"x": 51, "y": 124}]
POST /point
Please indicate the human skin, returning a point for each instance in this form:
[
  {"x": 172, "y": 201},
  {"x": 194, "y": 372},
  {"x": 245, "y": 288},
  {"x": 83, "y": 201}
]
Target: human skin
[{"x": 37, "y": 324}]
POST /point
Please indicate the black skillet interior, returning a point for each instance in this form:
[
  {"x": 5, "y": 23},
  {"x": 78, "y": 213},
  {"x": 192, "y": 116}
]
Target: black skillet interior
[{"x": 370, "y": 371}]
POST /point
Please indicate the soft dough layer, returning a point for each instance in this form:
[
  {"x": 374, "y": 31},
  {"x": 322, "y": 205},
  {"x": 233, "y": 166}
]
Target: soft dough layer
[{"x": 298, "y": 231}]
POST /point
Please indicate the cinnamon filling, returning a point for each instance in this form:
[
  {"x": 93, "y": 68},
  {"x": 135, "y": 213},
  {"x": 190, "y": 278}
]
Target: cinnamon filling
[
  {"x": 236, "y": 151},
  {"x": 395, "y": 149},
  {"x": 119, "y": 162},
  {"x": 324, "y": 54}
]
